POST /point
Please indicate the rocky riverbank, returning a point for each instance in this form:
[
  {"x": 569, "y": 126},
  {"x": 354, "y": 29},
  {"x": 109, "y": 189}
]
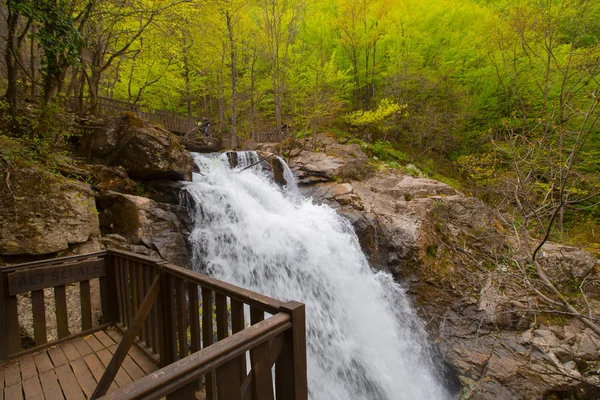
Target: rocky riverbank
[
  {"x": 457, "y": 257},
  {"x": 119, "y": 189}
]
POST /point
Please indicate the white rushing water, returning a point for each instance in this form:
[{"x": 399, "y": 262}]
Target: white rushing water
[{"x": 364, "y": 340}]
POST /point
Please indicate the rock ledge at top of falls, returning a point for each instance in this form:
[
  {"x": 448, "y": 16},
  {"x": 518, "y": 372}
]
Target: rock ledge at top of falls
[
  {"x": 203, "y": 144},
  {"x": 43, "y": 213},
  {"x": 146, "y": 151},
  {"x": 451, "y": 252},
  {"x": 331, "y": 161}
]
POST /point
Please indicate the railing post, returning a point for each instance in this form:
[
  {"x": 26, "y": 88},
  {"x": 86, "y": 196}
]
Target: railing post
[
  {"x": 3, "y": 321},
  {"x": 290, "y": 367},
  {"x": 108, "y": 290},
  {"x": 168, "y": 353}
]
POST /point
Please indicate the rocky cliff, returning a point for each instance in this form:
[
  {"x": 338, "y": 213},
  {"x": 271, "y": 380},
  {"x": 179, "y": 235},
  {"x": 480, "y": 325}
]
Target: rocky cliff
[
  {"x": 456, "y": 257},
  {"x": 118, "y": 189}
]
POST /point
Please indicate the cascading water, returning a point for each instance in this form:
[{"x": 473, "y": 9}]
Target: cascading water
[{"x": 364, "y": 341}]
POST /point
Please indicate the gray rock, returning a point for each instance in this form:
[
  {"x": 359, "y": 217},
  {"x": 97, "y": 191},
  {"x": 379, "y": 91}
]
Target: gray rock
[
  {"x": 43, "y": 213},
  {"x": 142, "y": 221},
  {"x": 332, "y": 161},
  {"x": 145, "y": 151},
  {"x": 203, "y": 144},
  {"x": 451, "y": 252},
  {"x": 118, "y": 242},
  {"x": 565, "y": 262},
  {"x": 111, "y": 178}
]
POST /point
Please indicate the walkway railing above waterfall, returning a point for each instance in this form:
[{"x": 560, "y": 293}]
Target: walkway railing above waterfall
[
  {"x": 197, "y": 329},
  {"x": 173, "y": 122},
  {"x": 272, "y": 135}
]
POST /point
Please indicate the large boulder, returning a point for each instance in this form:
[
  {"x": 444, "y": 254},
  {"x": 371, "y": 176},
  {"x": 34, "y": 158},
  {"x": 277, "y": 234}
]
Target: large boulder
[
  {"x": 146, "y": 151},
  {"x": 203, "y": 144},
  {"x": 563, "y": 263},
  {"x": 144, "y": 222},
  {"x": 332, "y": 161},
  {"x": 44, "y": 213}
]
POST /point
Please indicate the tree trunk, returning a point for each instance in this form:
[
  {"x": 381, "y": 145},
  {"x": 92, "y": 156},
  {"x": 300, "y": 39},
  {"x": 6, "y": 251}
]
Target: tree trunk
[
  {"x": 186, "y": 77},
  {"x": 32, "y": 63},
  {"x": 12, "y": 71},
  {"x": 233, "y": 78}
]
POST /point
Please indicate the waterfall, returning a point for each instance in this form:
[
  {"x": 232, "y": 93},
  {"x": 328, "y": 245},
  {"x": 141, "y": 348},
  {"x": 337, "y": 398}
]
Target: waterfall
[{"x": 364, "y": 341}]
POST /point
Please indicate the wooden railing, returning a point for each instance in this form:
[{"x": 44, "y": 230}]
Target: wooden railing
[
  {"x": 173, "y": 122},
  {"x": 272, "y": 136},
  {"x": 197, "y": 328}
]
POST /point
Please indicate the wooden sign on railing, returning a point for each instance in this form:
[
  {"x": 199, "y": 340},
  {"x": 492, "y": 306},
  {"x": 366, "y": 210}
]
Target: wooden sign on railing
[{"x": 39, "y": 278}]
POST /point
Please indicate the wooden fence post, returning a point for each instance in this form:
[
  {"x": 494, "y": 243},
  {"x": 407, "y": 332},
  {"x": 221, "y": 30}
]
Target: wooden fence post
[
  {"x": 108, "y": 289},
  {"x": 290, "y": 367},
  {"x": 168, "y": 353},
  {"x": 3, "y": 321}
]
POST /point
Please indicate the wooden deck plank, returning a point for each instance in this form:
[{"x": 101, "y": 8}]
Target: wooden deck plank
[
  {"x": 104, "y": 338},
  {"x": 132, "y": 369},
  {"x": 57, "y": 356},
  {"x": 68, "y": 383},
  {"x": 70, "y": 351},
  {"x": 14, "y": 392},
  {"x": 50, "y": 385},
  {"x": 93, "y": 343},
  {"x": 42, "y": 362},
  {"x": 122, "y": 378},
  {"x": 12, "y": 375},
  {"x": 142, "y": 360},
  {"x": 82, "y": 346},
  {"x": 97, "y": 369},
  {"x": 115, "y": 335},
  {"x": 28, "y": 369},
  {"x": 94, "y": 365},
  {"x": 33, "y": 389},
  {"x": 84, "y": 377}
]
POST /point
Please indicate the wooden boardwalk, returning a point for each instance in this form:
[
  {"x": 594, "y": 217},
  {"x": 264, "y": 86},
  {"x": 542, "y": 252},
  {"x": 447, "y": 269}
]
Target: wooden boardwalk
[
  {"x": 72, "y": 370},
  {"x": 165, "y": 332},
  {"x": 173, "y": 122}
]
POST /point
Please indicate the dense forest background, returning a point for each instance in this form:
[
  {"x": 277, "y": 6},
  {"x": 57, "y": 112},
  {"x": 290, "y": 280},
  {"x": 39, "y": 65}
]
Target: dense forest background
[{"x": 498, "y": 98}]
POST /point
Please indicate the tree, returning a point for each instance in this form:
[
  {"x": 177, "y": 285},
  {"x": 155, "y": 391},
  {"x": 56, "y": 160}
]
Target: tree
[
  {"x": 280, "y": 21},
  {"x": 548, "y": 82},
  {"x": 17, "y": 27}
]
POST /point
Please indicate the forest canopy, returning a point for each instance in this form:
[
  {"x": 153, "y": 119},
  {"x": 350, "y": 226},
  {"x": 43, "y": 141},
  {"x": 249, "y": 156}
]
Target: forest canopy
[{"x": 500, "y": 97}]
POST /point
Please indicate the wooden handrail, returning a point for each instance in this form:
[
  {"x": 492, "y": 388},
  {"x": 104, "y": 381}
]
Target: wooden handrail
[
  {"x": 265, "y": 303},
  {"x": 51, "y": 261},
  {"x": 161, "y": 315},
  {"x": 177, "y": 375}
]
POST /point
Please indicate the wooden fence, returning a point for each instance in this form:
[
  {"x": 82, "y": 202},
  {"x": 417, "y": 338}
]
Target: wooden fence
[
  {"x": 176, "y": 123},
  {"x": 272, "y": 136},
  {"x": 171, "y": 121},
  {"x": 196, "y": 326}
]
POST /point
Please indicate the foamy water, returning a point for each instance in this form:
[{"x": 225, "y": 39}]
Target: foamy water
[{"x": 364, "y": 340}]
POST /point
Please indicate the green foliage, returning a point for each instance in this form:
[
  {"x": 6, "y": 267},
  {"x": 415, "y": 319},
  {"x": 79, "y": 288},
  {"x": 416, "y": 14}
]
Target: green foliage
[
  {"x": 384, "y": 151},
  {"x": 382, "y": 119},
  {"x": 461, "y": 88}
]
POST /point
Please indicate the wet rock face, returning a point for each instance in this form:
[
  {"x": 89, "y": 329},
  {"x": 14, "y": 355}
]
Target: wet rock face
[
  {"x": 143, "y": 222},
  {"x": 43, "y": 213},
  {"x": 146, "y": 151}
]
